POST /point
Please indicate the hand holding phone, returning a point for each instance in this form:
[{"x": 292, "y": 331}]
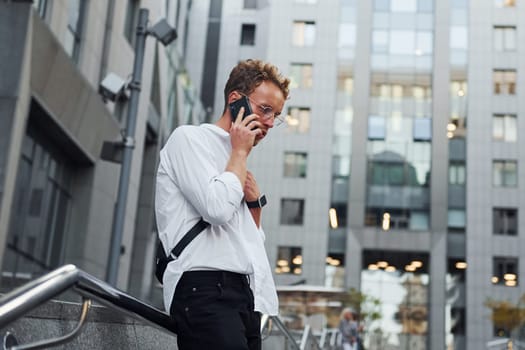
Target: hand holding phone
[{"x": 235, "y": 107}]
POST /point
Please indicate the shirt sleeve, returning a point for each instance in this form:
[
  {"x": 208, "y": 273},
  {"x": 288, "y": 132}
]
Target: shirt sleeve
[{"x": 215, "y": 193}]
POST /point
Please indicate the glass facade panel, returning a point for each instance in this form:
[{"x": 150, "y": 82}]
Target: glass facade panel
[
  {"x": 399, "y": 283},
  {"x": 303, "y": 33},
  {"x": 248, "y": 35},
  {"x": 301, "y": 75},
  {"x": 38, "y": 225},
  {"x": 292, "y": 211},
  {"x": 289, "y": 260},
  {"x": 504, "y": 128},
  {"x": 295, "y": 164},
  {"x": 504, "y": 173},
  {"x": 298, "y": 120},
  {"x": 505, "y": 221}
]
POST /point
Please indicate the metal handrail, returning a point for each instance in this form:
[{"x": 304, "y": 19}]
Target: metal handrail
[{"x": 20, "y": 301}]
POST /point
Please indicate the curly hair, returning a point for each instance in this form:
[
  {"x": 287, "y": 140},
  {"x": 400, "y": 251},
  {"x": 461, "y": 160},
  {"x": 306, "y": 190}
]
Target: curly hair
[{"x": 248, "y": 74}]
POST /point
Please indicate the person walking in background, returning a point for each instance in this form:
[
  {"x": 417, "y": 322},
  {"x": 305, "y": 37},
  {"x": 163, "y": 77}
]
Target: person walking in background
[
  {"x": 220, "y": 284},
  {"x": 348, "y": 328}
]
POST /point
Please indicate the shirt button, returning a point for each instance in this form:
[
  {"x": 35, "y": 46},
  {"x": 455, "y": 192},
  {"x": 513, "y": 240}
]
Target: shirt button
[{"x": 194, "y": 289}]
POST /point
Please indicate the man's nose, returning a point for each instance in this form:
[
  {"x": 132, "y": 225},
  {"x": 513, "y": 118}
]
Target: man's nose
[{"x": 269, "y": 122}]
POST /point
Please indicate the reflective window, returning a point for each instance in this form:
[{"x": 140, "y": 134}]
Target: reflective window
[
  {"x": 397, "y": 284},
  {"x": 289, "y": 260},
  {"x": 76, "y": 9},
  {"x": 504, "y": 38},
  {"x": 504, "y": 81},
  {"x": 505, "y": 221},
  {"x": 292, "y": 211},
  {"x": 376, "y": 127},
  {"x": 382, "y": 5},
  {"x": 456, "y": 173},
  {"x": 250, "y": 4},
  {"x": 504, "y": 173},
  {"x": 301, "y": 75},
  {"x": 298, "y": 120},
  {"x": 505, "y": 127},
  {"x": 380, "y": 41},
  {"x": 40, "y": 7},
  {"x": 248, "y": 35},
  {"x": 505, "y": 271},
  {"x": 39, "y": 218},
  {"x": 505, "y": 3},
  {"x": 422, "y": 129},
  {"x": 402, "y": 42},
  {"x": 458, "y": 37},
  {"x": 303, "y": 33},
  {"x": 131, "y": 20},
  {"x": 295, "y": 164},
  {"x": 403, "y": 5},
  {"x": 456, "y": 219}
]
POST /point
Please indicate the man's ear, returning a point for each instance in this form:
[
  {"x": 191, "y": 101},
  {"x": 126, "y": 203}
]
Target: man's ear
[{"x": 233, "y": 96}]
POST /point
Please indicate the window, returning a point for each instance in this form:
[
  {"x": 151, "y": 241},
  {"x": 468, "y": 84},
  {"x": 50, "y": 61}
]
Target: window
[
  {"x": 250, "y": 4},
  {"x": 292, "y": 211},
  {"x": 131, "y": 21},
  {"x": 505, "y": 271},
  {"x": 505, "y": 221},
  {"x": 504, "y": 173},
  {"x": 295, "y": 164},
  {"x": 505, "y": 3},
  {"x": 504, "y": 38},
  {"x": 74, "y": 28},
  {"x": 301, "y": 75},
  {"x": 289, "y": 260},
  {"x": 42, "y": 201},
  {"x": 504, "y": 81},
  {"x": 422, "y": 129},
  {"x": 40, "y": 7},
  {"x": 456, "y": 173},
  {"x": 386, "y": 173},
  {"x": 403, "y": 5},
  {"x": 504, "y": 127},
  {"x": 298, "y": 120},
  {"x": 303, "y": 33},
  {"x": 456, "y": 220},
  {"x": 376, "y": 127},
  {"x": 248, "y": 35}
]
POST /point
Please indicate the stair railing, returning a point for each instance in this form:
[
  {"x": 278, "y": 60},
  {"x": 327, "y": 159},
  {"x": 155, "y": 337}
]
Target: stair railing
[{"x": 24, "y": 299}]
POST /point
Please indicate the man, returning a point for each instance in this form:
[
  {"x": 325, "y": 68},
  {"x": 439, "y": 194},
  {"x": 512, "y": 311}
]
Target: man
[
  {"x": 349, "y": 330},
  {"x": 221, "y": 283}
]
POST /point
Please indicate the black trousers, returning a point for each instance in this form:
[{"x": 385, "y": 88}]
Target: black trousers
[{"x": 214, "y": 310}]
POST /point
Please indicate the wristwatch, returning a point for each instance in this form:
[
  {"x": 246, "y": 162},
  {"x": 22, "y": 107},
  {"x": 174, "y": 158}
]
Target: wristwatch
[{"x": 259, "y": 203}]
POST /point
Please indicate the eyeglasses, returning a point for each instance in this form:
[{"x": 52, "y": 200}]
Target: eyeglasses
[{"x": 267, "y": 113}]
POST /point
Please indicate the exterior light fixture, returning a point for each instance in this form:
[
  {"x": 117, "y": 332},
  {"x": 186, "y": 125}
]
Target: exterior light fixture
[
  {"x": 332, "y": 214},
  {"x": 461, "y": 265},
  {"x": 386, "y": 222}
]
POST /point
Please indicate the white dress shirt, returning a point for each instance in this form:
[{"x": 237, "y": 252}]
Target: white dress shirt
[{"x": 192, "y": 183}]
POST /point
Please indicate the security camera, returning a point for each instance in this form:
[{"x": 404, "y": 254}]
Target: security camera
[
  {"x": 112, "y": 87},
  {"x": 163, "y": 32}
]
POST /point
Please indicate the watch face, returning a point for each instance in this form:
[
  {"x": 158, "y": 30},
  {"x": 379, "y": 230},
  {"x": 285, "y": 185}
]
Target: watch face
[{"x": 262, "y": 201}]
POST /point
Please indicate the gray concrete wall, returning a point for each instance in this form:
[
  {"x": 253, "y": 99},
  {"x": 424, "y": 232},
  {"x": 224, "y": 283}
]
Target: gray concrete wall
[{"x": 104, "y": 329}]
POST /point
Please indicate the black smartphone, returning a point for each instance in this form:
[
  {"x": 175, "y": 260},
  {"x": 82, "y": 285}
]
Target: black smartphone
[{"x": 235, "y": 107}]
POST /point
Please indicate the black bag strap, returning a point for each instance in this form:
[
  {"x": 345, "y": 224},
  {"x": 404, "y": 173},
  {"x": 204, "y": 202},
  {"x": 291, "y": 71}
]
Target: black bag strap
[{"x": 188, "y": 237}]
